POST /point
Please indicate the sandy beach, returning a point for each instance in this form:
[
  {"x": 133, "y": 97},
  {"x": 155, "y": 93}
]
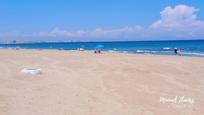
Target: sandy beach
[{"x": 84, "y": 83}]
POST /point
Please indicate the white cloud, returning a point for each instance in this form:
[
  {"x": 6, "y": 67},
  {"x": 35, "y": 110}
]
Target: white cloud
[
  {"x": 176, "y": 22},
  {"x": 98, "y": 32},
  {"x": 180, "y": 22}
]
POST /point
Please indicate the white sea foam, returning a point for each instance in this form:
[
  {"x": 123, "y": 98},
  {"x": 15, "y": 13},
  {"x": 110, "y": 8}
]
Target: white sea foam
[
  {"x": 146, "y": 51},
  {"x": 112, "y": 51},
  {"x": 140, "y": 51},
  {"x": 115, "y": 49},
  {"x": 154, "y": 51},
  {"x": 166, "y": 48},
  {"x": 192, "y": 53}
]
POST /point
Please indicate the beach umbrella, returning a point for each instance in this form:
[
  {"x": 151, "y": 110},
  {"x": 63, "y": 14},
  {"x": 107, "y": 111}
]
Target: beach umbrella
[{"x": 99, "y": 46}]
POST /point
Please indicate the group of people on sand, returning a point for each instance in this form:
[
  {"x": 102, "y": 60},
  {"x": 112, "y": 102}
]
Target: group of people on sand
[{"x": 96, "y": 51}]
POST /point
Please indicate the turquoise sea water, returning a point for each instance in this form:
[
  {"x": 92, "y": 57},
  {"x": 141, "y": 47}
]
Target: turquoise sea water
[{"x": 188, "y": 47}]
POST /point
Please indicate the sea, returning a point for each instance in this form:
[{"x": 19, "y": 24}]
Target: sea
[{"x": 185, "y": 47}]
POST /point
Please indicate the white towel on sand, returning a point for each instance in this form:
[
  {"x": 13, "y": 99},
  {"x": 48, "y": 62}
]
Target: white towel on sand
[{"x": 32, "y": 71}]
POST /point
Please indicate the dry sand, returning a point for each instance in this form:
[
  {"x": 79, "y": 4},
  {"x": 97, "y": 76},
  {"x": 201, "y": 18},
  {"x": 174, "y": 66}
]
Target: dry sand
[{"x": 83, "y": 83}]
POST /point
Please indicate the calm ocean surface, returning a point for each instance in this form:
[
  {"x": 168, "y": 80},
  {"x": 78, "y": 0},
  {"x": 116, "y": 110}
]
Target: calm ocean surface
[{"x": 188, "y": 47}]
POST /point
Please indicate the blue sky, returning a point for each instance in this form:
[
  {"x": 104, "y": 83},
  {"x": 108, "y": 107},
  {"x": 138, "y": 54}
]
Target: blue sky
[{"x": 28, "y": 19}]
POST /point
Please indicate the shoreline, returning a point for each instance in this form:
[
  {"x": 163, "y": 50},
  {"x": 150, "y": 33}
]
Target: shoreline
[
  {"x": 105, "y": 51},
  {"x": 139, "y": 47}
]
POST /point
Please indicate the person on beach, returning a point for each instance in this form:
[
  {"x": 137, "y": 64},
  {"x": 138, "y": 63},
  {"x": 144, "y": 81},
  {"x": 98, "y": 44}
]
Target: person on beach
[
  {"x": 176, "y": 51},
  {"x": 97, "y": 51}
]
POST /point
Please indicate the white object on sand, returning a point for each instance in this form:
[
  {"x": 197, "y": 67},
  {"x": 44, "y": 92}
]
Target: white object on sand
[
  {"x": 80, "y": 49},
  {"x": 32, "y": 71}
]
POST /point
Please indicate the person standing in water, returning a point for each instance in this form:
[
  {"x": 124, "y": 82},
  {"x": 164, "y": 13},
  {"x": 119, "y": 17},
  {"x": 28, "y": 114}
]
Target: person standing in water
[{"x": 176, "y": 51}]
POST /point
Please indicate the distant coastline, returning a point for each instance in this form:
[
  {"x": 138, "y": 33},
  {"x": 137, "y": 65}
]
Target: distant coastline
[
  {"x": 71, "y": 41},
  {"x": 186, "y": 47}
]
